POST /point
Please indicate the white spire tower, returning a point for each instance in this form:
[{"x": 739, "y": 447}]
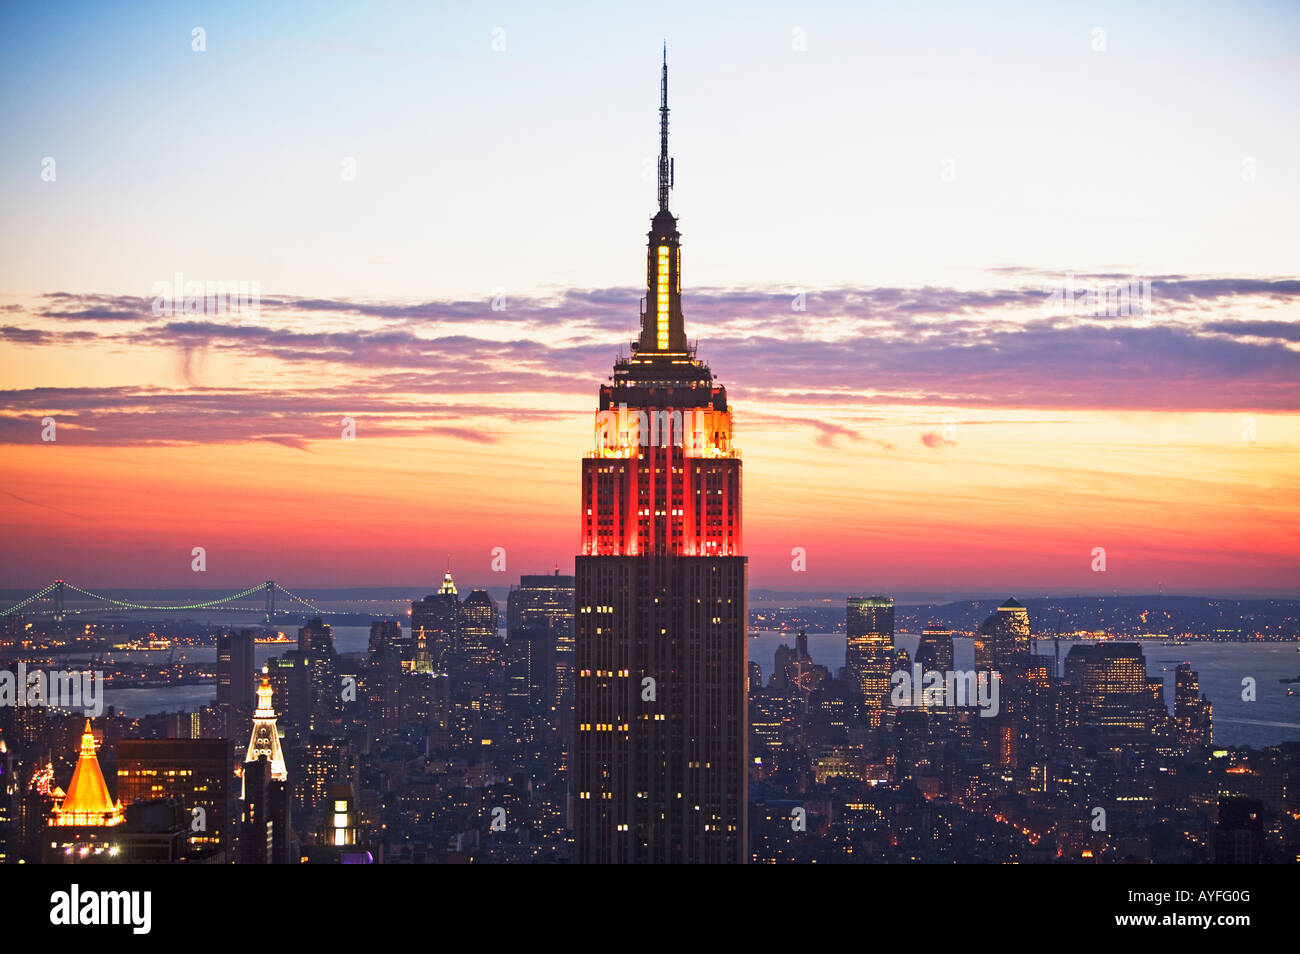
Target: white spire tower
[{"x": 266, "y": 737}]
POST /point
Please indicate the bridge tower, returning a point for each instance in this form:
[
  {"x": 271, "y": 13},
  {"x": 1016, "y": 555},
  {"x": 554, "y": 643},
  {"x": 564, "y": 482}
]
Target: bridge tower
[
  {"x": 270, "y": 601},
  {"x": 58, "y": 600}
]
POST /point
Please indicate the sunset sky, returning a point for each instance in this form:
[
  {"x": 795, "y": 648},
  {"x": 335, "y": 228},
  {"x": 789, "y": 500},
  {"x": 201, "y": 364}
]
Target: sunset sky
[{"x": 876, "y": 207}]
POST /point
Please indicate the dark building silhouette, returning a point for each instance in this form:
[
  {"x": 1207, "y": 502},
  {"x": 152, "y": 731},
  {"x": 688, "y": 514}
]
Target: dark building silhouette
[
  {"x": 235, "y": 680},
  {"x": 265, "y": 833},
  {"x": 1193, "y": 713},
  {"x": 1239, "y": 834},
  {"x": 660, "y": 767},
  {"x": 197, "y": 773},
  {"x": 934, "y": 651}
]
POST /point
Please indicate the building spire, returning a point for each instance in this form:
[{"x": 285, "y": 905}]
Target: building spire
[
  {"x": 665, "y": 164},
  {"x": 88, "y": 803}
]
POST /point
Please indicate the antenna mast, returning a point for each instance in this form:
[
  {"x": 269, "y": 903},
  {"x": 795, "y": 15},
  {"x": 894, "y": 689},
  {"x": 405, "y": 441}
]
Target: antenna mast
[{"x": 665, "y": 164}]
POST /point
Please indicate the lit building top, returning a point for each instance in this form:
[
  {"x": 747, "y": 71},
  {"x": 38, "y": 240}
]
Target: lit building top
[
  {"x": 664, "y": 474},
  {"x": 88, "y": 803},
  {"x": 265, "y": 740}
]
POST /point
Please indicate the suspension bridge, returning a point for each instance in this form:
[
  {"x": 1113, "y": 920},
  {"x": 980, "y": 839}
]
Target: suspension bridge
[{"x": 53, "y": 601}]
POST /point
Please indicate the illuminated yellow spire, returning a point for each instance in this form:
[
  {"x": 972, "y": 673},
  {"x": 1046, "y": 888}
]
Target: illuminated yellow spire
[
  {"x": 662, "y": 328},
  {"x": 88, "y": 802}
]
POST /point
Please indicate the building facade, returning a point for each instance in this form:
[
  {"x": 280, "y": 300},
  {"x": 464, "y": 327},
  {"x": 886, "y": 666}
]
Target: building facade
[{"x": 660, "y": 767}]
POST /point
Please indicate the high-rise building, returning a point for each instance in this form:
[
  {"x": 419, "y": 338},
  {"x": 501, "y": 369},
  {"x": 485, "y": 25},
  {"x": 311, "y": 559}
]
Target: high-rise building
[
  {"x": 869, "y": 649},
  {"x": 316, "y": 650},
  {"x": 386, "y": 634},
  {"x": 480, "y": 639},
  {"x": 291, "y": 693},
  {"x": 934, "y": 651},
  {"x": 265, "y": 740},
  {"x": 197, "y": 772},
  {"x": 1193, "y": 713},
  {"x": 235, "y": 680},
  {"x": 543, "y": 606},
  {"x": 265, "y": 835},
  {"x": 660, "y": 768},
  {"x": 1002, "y": 642},
  {"x": 1111, "y": 682},
  {"x": 436, "y": 627}
]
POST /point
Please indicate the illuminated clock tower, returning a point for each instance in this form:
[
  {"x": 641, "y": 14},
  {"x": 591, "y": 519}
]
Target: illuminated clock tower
[
  {"x": 265, "y": 740},
  {"x": 660, "y": 657}
]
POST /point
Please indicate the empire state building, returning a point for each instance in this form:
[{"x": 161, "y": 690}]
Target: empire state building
[{"x": 660, "y": 657}]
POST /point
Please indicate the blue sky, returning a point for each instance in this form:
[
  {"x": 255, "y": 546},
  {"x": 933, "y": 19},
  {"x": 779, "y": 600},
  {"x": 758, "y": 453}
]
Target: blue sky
[{"x": 524, "y": 169}]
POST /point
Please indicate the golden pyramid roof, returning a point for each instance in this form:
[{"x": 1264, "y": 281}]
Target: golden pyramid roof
[{"x": 88, "y": 801}]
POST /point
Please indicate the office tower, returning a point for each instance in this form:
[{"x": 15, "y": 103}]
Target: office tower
[
  {"x": 869, "y": 650},
  {"x": 1111, "y": 682},
  {"x": 1193, "y": 713},
  {"x": 82, "y": 827},
  {"x": 385, "y": 633},
  {"x": 321, "y": 763},
  {"x": 660, "y": 770},
  {"x": 934, "y": 651},
  {"x": 383, "y": 680},
  {"x": 291, "y": 693},
  {"x": 528, "y": 659},
  {"x": 1002, "y": 642},
  {"x": 316, "y": 650},
  {"x": 544, "y": 603},
  {"x": 435, "y": 627},
  {"x": 480, "y": 639},
  {"x": 235, "y": 680},
  {"x": 265, "y": 835},
  {"x": 197, "y": 772}
]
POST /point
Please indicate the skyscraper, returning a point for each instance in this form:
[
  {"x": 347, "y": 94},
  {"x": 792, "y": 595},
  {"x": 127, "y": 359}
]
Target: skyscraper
[
  {"x": 1193, "y": 714},
  {"x": 435, "y": 627},
  {"x": 316, "y": 650},
  {"x": 869, "y": 650},
  {"x": 934, "y": 650},
  {"x": 1111, "y": 682},
  {"x": 540, "y": 614},
  {"x": 1002, "y": 642},
  {"x": 198, "y": 772},
  {"x": 265, "y": 836},
  {"x": 235, "y": 680},
  {"x": 265, "y": 740},
  {"x": 660, "y": 654}
]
